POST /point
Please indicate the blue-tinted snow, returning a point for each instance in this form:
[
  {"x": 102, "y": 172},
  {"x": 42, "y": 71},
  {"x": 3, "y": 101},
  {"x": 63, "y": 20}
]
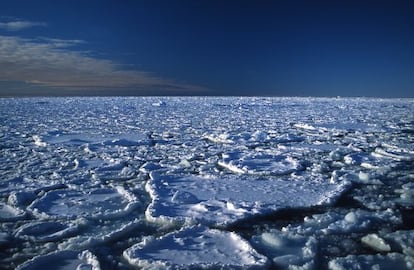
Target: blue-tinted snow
[{"x": 107, "y": 174}]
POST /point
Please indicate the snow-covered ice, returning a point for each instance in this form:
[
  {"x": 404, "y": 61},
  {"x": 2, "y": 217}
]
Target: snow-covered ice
[
  {"x": 95, "y": 203},
  {"x": 226, "y": 199},
  {"x": 196, "y": 248},
  {"x": 64, "y": 260},
  {"x": 203, "y": 182}
]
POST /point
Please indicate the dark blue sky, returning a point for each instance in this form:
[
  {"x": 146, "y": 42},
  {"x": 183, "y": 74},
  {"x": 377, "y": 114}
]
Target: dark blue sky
[{"x": 278, "y": 48}]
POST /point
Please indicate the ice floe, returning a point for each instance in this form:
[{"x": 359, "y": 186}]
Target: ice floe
[
  {"x": 65, "y": 260},
  {"x": 196, "y": 248},
  {"x": 95, "y": 203},
  {"x": 227, "y": 199},
  {"x": 46, "y": 231},
  {"x": 260, "y": 163}
]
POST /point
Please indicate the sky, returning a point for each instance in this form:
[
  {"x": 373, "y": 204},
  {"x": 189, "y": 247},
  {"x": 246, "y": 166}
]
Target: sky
[{"x": 207, "y": 47}]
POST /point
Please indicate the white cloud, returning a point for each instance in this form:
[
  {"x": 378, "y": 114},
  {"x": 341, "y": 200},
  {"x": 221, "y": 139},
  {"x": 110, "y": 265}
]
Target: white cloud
[
  {"x": 54, "y": 63},
  {"x": 19, "y": 25}
]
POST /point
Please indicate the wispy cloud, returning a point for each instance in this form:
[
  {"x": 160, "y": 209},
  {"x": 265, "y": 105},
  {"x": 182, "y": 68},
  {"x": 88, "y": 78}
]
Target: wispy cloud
[
  {"x": 19, "y": 25},
  {"x": 55, "y": 63}
]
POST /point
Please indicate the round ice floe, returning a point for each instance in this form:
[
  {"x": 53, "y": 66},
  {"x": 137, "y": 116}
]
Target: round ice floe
[
  {"x": 260, "y": 163},
  {"x": 66, "y": 259},
  {"x": 9, "y": 213},
  {"x": 45, "y": 231},
  {"x": 194, "y": 248},
  {"x": 96, "y": 203}
]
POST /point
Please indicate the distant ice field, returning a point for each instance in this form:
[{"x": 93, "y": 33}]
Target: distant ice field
[{"x": 206, "y": 183}]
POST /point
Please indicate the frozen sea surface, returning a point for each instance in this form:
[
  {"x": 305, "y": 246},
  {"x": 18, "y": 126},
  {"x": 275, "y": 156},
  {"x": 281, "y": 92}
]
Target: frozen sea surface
[{"x": 211, "y": 183}]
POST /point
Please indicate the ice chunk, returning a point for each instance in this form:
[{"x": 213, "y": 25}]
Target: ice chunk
[
  {"x": 259, "y": 136},
  {"x": 9, "y": 213},
  {"x": 376, "y": 243},
  {"x": 38, "y": 141},
  {"x": 364, "y": 177},
  {"x": 406, "y": 192},
  {"x": 64, "y": 260},
  {"x": 287, "y": 250},
  {"x": 356, "y": 262},
  {"x": 289, "y": 138},
  {"x": 338, "y": 223},
  {"x": 305, "y": 126},
  {"x": 196, "y": 247},
  {"x": 220, "y": 138},
  {"x": 226, "y": 199},
  {"x": 159, "y": 103},
  {"x": 359, "y": 220}
]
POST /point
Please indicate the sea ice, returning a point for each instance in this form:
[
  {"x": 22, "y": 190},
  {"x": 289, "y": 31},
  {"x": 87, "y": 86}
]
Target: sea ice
[
  {"x": 376, "y": 243},
  {"x": 9, "y": 213},
  {"x": 195, "y": 247},
  {"x": 304, "y": 180},
  {"x": 340, "y": 222},
  {"x": 260, "y": 163},
  {"x": 357, "y": 262},
  {"x": 95, "y": 203},
  {"x": 46, "y": 231},
  {"x": 63, "y": 260},
  {"x": 402, "y": 241},
  {"x": 226, "y": 199},
  {"x": 288, "y": 251}
]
